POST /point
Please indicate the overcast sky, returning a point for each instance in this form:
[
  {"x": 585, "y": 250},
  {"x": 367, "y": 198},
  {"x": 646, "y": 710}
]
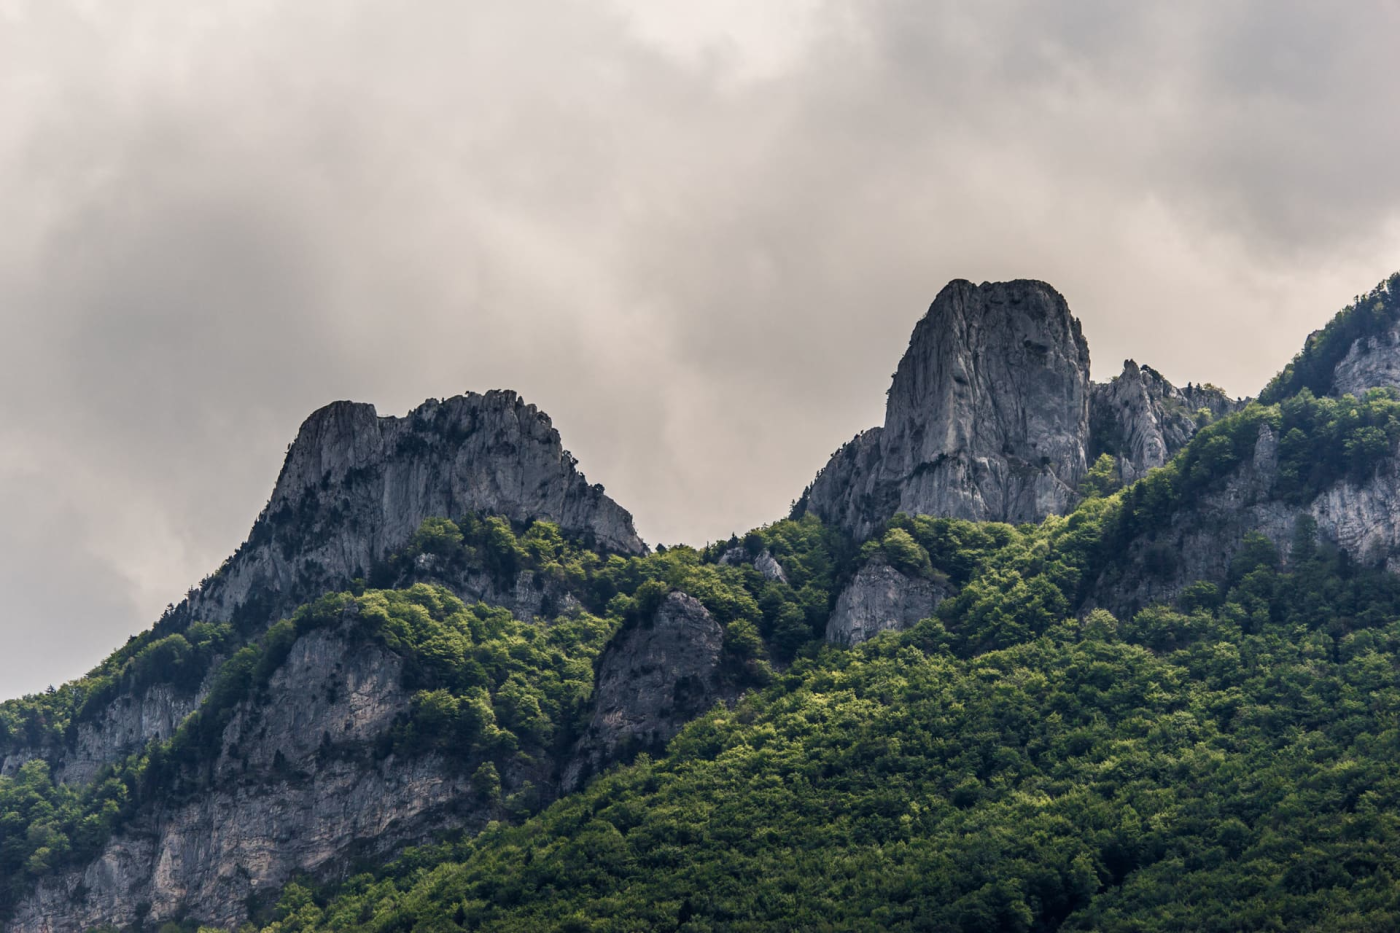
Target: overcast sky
[{"x": 697, "y": 234}]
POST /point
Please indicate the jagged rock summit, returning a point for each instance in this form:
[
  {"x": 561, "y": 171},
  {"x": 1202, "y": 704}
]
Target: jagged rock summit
[
  {"x": 1143, "y": 420},
  {"x": 991, "y": 417},
  {"x": 356, "y": 485}
]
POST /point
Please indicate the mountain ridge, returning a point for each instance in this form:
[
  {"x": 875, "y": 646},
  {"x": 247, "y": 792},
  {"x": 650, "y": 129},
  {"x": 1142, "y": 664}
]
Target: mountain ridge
[{"x": 473, "y": 498}]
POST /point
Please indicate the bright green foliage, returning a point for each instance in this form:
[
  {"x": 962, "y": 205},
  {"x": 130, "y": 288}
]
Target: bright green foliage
[
  {"x": 1226, "y": 764},
  {"x": 44, "y": 825},
  {"x": 488, "y": 689},
  {"x": 1104, "y": 477},
  {"x": 1222, "y": 763},
  {"x": 486, "y": 686},
  {"x": 46, "y": 719},
  {"x": 1312, "y": 369}
]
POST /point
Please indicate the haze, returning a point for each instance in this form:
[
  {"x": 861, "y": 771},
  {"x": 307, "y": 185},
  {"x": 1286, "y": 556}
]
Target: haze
[{"x": 698, "y": 235}]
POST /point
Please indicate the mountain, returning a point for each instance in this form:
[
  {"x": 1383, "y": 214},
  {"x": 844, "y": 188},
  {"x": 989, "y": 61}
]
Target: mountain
[
  {"x": 1035, "y": 654},
  {"x": 991, "y": 417}
]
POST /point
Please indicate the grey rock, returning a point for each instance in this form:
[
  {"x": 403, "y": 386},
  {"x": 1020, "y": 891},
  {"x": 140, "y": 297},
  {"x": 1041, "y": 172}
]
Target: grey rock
[
  {"x": 1201, "y": 539},
  {"x": 652, "y": 679},
  {"x": 356, "y": 486},
  {"x": 986, "y": 419},
  {"x": 1361, "y": 517},
  {"x": 765, "y": 563},
  {"x": 126, "y": 725},
  {"x": 296, "y": 788},
  {"x": 879, "y": 599},
  {"x": 768, "y": 565},
  {"x": 1143, "y": 420},
  {"x": 1372, "y": 362}
]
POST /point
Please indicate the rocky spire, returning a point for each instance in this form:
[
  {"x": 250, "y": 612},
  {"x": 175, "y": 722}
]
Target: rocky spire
[
  {"x": 1143, "y": 420},
  {"x": 987, "y": 417}
]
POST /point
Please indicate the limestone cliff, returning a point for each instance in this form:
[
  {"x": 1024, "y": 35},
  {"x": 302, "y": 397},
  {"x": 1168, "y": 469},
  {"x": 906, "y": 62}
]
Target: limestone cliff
[
  {"x": 1359, "y": 516},
  {"x": 297, "y": 787},
  {"x": 355, "y": 486},
  {"x": 987, "y": 417},
  {"x": 1142, "y": 420},
  {"x": 1371, "y": 362},
  {"x": 654, "y": 678},
  {"x": 879, "y": 599}
]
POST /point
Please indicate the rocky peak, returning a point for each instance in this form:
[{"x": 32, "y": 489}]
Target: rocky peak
[
  {"x": 356, "y": 485},
  {"x": 1143, "y": 420},
  {"x": 987, "y": 417}
]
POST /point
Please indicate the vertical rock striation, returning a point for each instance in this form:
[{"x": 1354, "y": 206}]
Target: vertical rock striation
[
  {"x": 880, "y": 599},
  {"x": 296, "y": 786},
  {"x": 355, "y": 486},
  {"x": 987, "y": 417},
  {"x": 654, "y": 678},
  {"x": 1143, "y": 420},
  {"x": 1371, "y": 362}
]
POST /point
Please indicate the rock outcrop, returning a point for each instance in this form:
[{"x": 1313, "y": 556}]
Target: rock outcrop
[
  {"x": 987, "y": 417},
  {"x": 765, "y": 563},
  {"x": 126, "y": 725},
  {"x": 992, "y": 417},
  {"x": 297, "y": 787},
  {"x": 1371, "y": 362},
  {"x": 880, "y": 599},
  {"x": 652, "y": 679},
  {"x": 355, "y": 486},
  {"x": 1361, "y": 517},
  {"x": 1143, "y": 420}
]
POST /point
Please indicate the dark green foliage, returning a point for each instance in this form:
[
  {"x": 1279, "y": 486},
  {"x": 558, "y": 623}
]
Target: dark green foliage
[
  {"x": 1104, "y": 477},
  {"x": 49, "y": 719},
  {"x": 489, "y": 690},
  {"x": 44, "y": 825},
  {"x": 1016, "y": 763},
  {"x": 1225, "y": 764},
  {"x": 1312, "y": 368}
]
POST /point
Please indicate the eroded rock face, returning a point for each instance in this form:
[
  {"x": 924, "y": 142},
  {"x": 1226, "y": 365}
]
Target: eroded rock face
[
  {"x": 1359, "y": 517},
  {"x": 355, "y": 486},
  {"x": 880, "y": 599},
  {"x": 127, "y": 724},
  {"x": 297, "y": 787},
  {"x": 765, "y": 563},
  {"x": 652, "y": 680},
  {"x": 1372, "y": 362},
  {"x": 1143, "y": 420},
  {"x": 987, "y": 417}
]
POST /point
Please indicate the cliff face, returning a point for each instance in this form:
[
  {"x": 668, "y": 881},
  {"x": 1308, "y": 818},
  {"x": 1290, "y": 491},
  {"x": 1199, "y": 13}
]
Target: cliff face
[
  {"x": 651, "y": 681},
  {"x": 355, "y": 486},
  {"x": 1371, "y": 362},
  {"x": 879, "y": 599},
  {"x": 1143, "y": 420},
  {"x": 1359, "y": 516},
  {"x": 992, "y": 417},
  {"x": 296, "y": 788},
  {"x": 987, "y": 417}
]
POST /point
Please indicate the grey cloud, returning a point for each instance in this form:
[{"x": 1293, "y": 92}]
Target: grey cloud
[{"x": 702, "y": 253}]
